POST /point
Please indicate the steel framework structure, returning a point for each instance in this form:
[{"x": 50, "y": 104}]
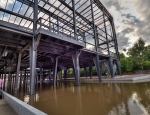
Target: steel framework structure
[{"x": 56, "y": 35}]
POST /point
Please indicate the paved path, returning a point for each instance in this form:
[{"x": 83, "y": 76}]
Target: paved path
[
  {"x": 120, "y": 79},
  {"x": 5, "y": 108}
]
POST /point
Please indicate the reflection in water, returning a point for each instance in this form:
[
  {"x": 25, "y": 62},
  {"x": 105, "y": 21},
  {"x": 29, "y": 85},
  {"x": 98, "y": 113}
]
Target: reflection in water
[
  {"x": 118, "y": 110},
  {"x": 28, "y": 98},
  {"x": 135, "y": 107},
  {"x": 91, "y": 99}
]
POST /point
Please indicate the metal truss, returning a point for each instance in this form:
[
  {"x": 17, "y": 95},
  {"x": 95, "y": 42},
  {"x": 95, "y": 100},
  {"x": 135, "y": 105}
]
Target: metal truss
[{"x": 86, "y": 25}]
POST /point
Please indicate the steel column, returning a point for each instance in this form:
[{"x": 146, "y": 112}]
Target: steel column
[
  {"x": 18, "y": 71},
  {"x": 97, "y": 65},
  {"x": 75, "y": 58},
  {"x": 94, "y": 28},
  {"x": 110, "y": 62},
  {"x": 8, "y": 81},
  {"x": 74, "y": 19},
  {"x": 32, "y": 70},
  {"x": 118, "y": 66},
  {"x": 33, "y": 52},
  {"x": 85, "y": 72},
  {"x": 106, "y": 32},
  {"x": 4, "y": 79},
  {"x": 65, "y": 73},
  {"x": 55, "y": 69},
  {"x": 90, "y": 68},
  {"x": 49, "y": 75}
]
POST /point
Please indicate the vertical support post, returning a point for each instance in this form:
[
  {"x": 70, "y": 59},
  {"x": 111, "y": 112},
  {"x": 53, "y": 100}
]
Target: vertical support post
[
  {"x": 24, "y": 81},
  {"x": 90, "y": 68},
  {"x": 41, "y": 76},
  {"x": 118, "y": 66},
  {"x": 18, "y": 71},
  {"x": 94, "y": 28},
  {"x": 110, "y": 62},
  {"x": 106, "y": 32},
  {"x": 20, "y": 81},
  {"x": 61, "y": 75},
  {"x": 85, "y": 74},
  {"x": 74, "y": 19},
  {"x": 97, "y": 65},
  {"x": 2, "y": 74},
  {"x": 32, "y": 70},
  {"x": 75, "y": 58},
  {"x": 32, "y": 51},
  {"x": 4, "y": 79},
  {"x": 115, "y": 37},
  {"x": 8, "y": 82},
  {"x": 65, "y": 73},
  {"x": 58, "y": 25},
  {"x": 49, "y": 21},
  {"x": 55, "y": 69},
  {"x": 49, "y": 75}
]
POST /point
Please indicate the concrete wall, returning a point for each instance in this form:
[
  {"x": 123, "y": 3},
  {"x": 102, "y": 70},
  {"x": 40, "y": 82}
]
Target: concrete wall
[{"x": 20, "y": 107}]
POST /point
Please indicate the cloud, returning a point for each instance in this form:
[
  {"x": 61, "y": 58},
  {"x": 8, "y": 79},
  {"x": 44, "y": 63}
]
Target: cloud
[{"x": 131, "y": 20}]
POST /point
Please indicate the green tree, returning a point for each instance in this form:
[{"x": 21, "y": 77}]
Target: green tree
[{"x": 137, "y": 53}]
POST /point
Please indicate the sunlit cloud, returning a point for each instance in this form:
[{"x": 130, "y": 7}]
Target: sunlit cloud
[{"x": 131, "y": 18}]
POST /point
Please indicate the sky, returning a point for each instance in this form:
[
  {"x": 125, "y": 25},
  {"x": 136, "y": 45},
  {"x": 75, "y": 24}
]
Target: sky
[{"x": 132, "y": 20}]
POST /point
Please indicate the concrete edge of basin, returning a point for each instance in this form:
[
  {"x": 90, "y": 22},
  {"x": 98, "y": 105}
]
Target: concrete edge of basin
[{"x": 20, "y": 107}]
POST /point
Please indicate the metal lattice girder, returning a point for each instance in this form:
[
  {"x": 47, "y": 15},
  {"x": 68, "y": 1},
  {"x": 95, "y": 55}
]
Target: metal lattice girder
[{"x": 69, "y": 24}]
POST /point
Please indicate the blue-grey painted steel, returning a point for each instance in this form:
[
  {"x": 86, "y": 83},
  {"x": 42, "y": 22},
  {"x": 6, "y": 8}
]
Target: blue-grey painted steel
[
  {"x": 14, "y": 28},
  {"x": 33, "y": 52},
  {"x": 97, "y": 65},
  {"x": 106, "y": 32},
  {"x": 60, "y": 37},
  {"x": 118, "y": 66},
  {"x": 74, "y": 19},
  {"x": 90, "y": 68},
  {"x": 55, "y": 69},
  {"x": 18, "y": 71},
  {"x": 75, "y": 58},
  {"x": 110, "y": 62}
]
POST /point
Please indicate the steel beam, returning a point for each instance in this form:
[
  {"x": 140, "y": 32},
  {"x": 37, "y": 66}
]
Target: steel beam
[
  {"x": 90, "y": 68},
  {"x": 110, "y": 63},
  {"x": 26, "y": 47},
  {"x": 69, "y": 7},
  {"x": 65, "y": 73},
  {"x": 85, "y": 73},
  {"x": 75, "y": 58},
  {"x": 33, "y": 53},
  {"x": 106, "y": 32},
  {"x": 74, "y": 19},
  {"x": 94, "y": 28},
  {"x": 16, "y": 14},
  {"x": 97, "y": 65},
  {"x": 18, "y": 71},
  {"x": 118, "y": 66},
  {"x": 55, "y": 69},
  {"x": 4, "y": 78}
]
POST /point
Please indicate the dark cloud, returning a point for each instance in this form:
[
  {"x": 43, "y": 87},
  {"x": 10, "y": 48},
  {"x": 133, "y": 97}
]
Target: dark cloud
[
  {"x": 129, "y": 16},
  {"x": 139, "y": 25},
  {"x": 123, "y": 41},
  {"x": 115, "y": 3}
]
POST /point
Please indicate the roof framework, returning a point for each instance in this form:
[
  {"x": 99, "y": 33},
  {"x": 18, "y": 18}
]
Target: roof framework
[{"x": 86, "y": 21}]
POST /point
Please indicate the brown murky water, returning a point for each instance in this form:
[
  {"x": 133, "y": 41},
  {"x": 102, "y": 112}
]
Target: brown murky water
[{"x": 92, "y": 99}]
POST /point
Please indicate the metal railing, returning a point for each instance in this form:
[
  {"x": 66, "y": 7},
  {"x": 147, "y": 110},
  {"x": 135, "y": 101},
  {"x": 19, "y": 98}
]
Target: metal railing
[
  {"x": 56, "y": 28},
  {"x": 61, "y": 30}
]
